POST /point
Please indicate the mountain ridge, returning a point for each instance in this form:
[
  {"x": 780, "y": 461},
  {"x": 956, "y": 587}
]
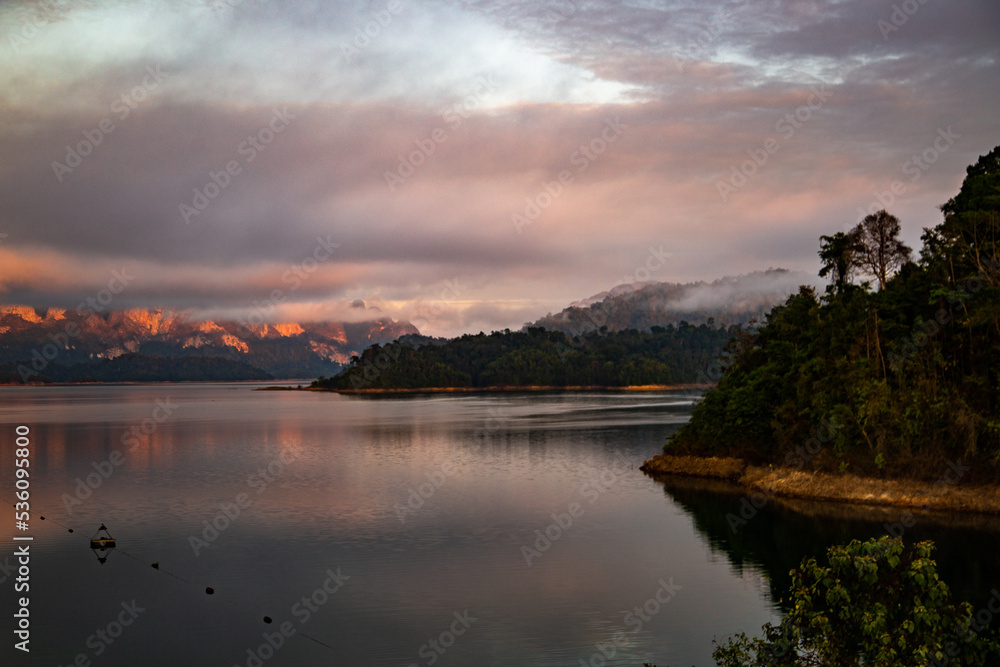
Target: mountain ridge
[
  {"x": 728, "y": 300},
  {"x": 33, "y": 340}
]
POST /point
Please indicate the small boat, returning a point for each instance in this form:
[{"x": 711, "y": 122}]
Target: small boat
[{"x": 99, "y": 541}]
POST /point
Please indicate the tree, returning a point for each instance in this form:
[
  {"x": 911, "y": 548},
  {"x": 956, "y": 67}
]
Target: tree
[
  {"x": 881, "y": 252},
  {"x": 840, "y": 254},
  {"x": 877, "y": 603},
  {"x": 910, "y": 373},
  {"x": 972, "y": 220}
]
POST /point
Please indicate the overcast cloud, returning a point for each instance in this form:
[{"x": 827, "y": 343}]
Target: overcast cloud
[{"x": 547, "y": 147}]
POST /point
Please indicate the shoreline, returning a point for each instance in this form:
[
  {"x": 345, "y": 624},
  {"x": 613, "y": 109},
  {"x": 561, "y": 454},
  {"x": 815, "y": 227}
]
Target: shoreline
[
  {"x": 137, "y": 383},
  {"x": 789, "y": 483},
  {"x": 509, "y": 389}
]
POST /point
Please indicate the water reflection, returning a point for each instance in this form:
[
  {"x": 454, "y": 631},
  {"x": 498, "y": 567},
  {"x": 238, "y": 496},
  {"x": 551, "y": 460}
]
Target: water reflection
[
  {"x": 783, "y": 532},
  {"x": 346, "y": 464},
  {"x": 324, "y": 476}
]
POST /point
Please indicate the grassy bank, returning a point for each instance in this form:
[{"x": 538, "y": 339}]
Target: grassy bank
[
  {"x": 784, "y": 482},
  {"x": 513, "y": 388}
]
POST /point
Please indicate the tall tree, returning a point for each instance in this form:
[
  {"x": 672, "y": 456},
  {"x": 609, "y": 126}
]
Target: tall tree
[
  {"x": 839, "y": 254},
  {"x": 972, "y": 220},
  {"x": 881, "y": 251}
]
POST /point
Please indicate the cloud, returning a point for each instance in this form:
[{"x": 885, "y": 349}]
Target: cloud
[{"x": 413, "y": 148}]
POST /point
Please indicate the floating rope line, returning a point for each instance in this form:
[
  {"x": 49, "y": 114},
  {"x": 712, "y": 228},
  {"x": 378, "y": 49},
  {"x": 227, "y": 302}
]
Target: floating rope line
[
  {"x": 156, "y": 566},
  {"x": 316, "y": 640}
]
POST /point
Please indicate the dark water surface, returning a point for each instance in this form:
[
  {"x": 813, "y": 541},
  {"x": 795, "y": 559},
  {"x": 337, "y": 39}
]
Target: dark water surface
[{"x": 396, "y": 531}]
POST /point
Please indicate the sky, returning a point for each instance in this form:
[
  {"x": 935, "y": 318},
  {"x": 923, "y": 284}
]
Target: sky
[{"x": 466, "y": 164}]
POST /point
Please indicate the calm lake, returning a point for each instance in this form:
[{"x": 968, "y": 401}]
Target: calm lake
[{"x": 501, "y": 529}]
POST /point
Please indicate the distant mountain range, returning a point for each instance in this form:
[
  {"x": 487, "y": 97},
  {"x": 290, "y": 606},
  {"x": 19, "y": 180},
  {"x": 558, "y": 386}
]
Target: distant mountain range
[
  {"x": 154, "y": 344},
  {"x": 641, "y": 306},
  {"x": 163, "y": 345}
]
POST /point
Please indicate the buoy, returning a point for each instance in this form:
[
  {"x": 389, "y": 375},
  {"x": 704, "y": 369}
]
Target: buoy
[
  {"x": 210, "y": 591},
  {"x": 267, "y": 619},
  {"x": 156, "y": 565},
  {"x": 99, "y": 541}
]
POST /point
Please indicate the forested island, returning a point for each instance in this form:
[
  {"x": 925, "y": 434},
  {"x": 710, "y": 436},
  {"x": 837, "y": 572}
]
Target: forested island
[
  {"x": 144, "y": 368},
  {"x": 867, "y": 393},
  {"x": 538, "y": 358},
  {"x": 893, "y": 372}
]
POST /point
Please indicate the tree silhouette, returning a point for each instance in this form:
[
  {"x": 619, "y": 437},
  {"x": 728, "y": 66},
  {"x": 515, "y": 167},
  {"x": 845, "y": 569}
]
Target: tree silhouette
[
  {"x": 839, "y": 254},
  {"x": 881, "y": 252}
]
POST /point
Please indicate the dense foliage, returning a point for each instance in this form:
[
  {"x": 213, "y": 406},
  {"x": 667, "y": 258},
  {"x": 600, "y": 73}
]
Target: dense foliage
[
  {"x": 142, "y": 368},
  {"x": 877, "y": 603},
  {"x": 897, "y": 381},
  {"x": 536, "y": 357}
]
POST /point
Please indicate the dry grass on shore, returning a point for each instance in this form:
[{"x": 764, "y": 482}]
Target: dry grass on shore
[
  {"x": 511, "y": 389},
  {"x": 786, "y": 482}
]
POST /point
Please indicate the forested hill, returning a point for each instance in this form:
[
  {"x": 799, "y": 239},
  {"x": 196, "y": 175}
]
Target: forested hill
[
  {"x": 895, "y": 370},
  {"x": 55, "y": 344},
  {"x": 146, "y": 368},
  {"x": 730, "y": 300},
  {"x": 537, "y": 357}
]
